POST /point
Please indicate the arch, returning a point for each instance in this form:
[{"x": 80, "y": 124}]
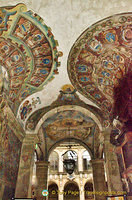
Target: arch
[
  {"x": 88, "y": 190},
  {"x": 33, "y": 56},
  {"x": 86, "y": 160},
  {"x": 72, "y": 140},
  {"x": 71, "y": 191},
  {"x": 53, "y": 191},
  {"x": 64, "y": 108},
  {"x": 97, "y": 59}
]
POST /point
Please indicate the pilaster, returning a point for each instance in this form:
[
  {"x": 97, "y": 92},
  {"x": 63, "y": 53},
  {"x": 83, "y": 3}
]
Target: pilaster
[
  {"x": 112, "y": 166},
  {"x": 42, "y": 175},
  {"x": 24, "y": 178},
  {"x": 99, "y": 179}
]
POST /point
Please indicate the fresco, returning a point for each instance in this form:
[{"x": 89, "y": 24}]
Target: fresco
[
  {"x": 66, "y": 97},
  {"x": 100, "y": 57},
  {"x": 28, "y": 53},
  {"x": 10, "y": 140},
  {"x": 70, "y": 123}
]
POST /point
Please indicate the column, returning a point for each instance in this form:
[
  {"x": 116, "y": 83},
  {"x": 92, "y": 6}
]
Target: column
[
  {"x": 112, "y": 166},
  {"x": 61, "y": 188},
  {"x": 60, "y": 163},
  {"x": 24, "y": 178},
  {"x": 60, "y": 194},
  {"x": 99, "y": 179},
  {"x": 80, "y": 161},
  {"x": 41, "y": 175},
  {"x": 82, "y": 194}
]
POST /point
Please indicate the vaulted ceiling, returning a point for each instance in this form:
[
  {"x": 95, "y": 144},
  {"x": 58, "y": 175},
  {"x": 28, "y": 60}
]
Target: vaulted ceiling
[
  {"x": 100, "y": 57},
  {"x": 29, "y": 60}
]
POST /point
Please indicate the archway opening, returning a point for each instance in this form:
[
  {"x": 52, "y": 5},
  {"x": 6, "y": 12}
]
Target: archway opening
[
  {"x": 86, "y": 160},
  {"x": 53, "y": 159},
  {"x": 71, "y": 191},
  {"x": 88, "y": 188},
  {"x": 53, "y": 191}
]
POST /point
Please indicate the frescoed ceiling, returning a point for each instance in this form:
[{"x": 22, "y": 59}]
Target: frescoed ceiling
[
  {"x": 67, "y": 100},
  {"x": 28, "y": 53},
  {"x": 71, "y": 124},
  {"x": 100, "y": 57}
]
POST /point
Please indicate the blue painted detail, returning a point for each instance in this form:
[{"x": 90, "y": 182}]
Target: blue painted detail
[
  {"x": 45, "y": 61},
  {"x": 110, "y": 37},
  {"x": 97, "y": 96},
  {"x": 5, "y": 47},
  {"x": 1, "y": 20},
  {"x": 84, "y": 79},
  {"x": 19, "y": 69},
  {"x": 82, "y": 68},
  {"x": 104, "y": 73},
  {"x": 37, "y": 37},
  {"x": 43, "y": 71},
  {"x": 23, "y": 27}
]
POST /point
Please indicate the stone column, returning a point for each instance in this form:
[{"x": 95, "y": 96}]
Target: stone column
[
  {"x": 80, "y": 162},
  {"x": 99, "y": 179},
  {"x": 60, "y": 163},
  {"x": 82, "y": 194},
  {"x": 61, "y": 195},
  {"x": 112, "y": 166},
  {"x": 24, "y": 178},
  {"x": 41, "y": 175}
]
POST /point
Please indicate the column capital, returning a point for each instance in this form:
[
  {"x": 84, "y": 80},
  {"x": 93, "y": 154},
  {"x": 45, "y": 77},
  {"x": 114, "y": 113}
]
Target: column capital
[
  {"x": 29, "y": 138},
  {"x": 42, "y": 164},
  {"x": 97, "y": 161}
]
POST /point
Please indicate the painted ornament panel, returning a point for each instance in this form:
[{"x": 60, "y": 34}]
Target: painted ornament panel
[
  {"x": 100, "y": 58},
  {"x": 28, "y": 52}
]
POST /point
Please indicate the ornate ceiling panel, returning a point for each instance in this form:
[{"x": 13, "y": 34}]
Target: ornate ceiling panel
[
  {"x": 100, "y": 57},
  {"x": 71, "y": 124},
  {"x": 28, "y": 53}
]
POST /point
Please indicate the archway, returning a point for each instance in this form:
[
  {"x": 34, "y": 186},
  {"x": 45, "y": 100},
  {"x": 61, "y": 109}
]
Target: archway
[
  {"x": 53, "y": 191},
  {"x": 53, "y": 159},
  {"x": 86, "y": 160},
  {"x": 88, "y": 188},
  {"x": 71, "y": 191}
]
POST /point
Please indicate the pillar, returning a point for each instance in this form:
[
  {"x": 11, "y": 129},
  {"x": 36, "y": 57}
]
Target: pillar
[
  {"x": 41, "y": 175},
  {"x": 61, "y": 188},
  {"x": 60, "y": 194},
  {"x": 80, "y": 161},
  {"x": 24, "y": 178},
  {"x": 112, "y": 166},
  {"x": 60, "y": 163},
  {"x": 82, "y": 194},
  {"x": 100, "y": 188}
]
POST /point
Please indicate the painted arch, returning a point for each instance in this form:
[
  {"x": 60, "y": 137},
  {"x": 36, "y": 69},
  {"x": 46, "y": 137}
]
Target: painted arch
[
  {"x": 100, "y": 57},
  {"x": 28, "y": 53}
]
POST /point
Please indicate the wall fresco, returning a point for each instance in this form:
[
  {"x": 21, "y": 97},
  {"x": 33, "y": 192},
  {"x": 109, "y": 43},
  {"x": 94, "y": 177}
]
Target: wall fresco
[
  {"x": 66, "y": 97},
  {"x": 28, "y": 53},
  {"x": 100, "y": 57}
]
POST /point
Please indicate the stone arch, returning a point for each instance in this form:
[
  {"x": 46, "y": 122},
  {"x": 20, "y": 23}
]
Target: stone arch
[
  {"x": 88, "y": 190},
  {"x": 53, "y": 191},
  {"x": 67, "y": 140},
  {"x": 53, "y": 159},
  {"x": 71, "y": 191},
  {"x": 85, "y": 160},
  {"x": 68, "y": 107}
]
